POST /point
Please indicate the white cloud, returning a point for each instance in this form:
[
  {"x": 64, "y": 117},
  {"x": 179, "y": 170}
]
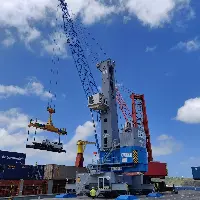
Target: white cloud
[
  {"x": 166, "y": 146},
  {"x": 56, "y": 45},
  {"x": 164, "y": 137},
  {"x": 25, "y": 16},
  {"x": 188, "y": 46},
  {"x": 158, "y": 12},
  {"x": 64, "y": 96},
  {"x": 22, "y": 14},
  {"x": 95, "y": 11},
  {"x": 190, "y": 111},
  {"x": 32, "y": 88},
  {"x": 126, "y": 19},
  {"x": 99, "y": 88},
  {"x": 191, "y": 162},
  {"x": 9, "y": 40},
  {"x": 13, "y": 138},
  {"x": 150, "y": 49}
]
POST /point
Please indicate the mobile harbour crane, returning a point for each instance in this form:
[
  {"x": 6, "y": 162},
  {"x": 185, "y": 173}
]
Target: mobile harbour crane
[{"x": 120, "y": 152}]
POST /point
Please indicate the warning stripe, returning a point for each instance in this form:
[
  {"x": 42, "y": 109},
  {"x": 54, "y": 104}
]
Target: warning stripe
[{"x": 135, "y": 156}]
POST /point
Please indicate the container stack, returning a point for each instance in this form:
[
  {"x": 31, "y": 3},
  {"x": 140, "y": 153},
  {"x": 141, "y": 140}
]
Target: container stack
[
  {"x": 13, "y": 172},
  {"x": 11, "y": 164},
  {"x": 12, "y": 158},
  {"x": 60, "y": 174}
]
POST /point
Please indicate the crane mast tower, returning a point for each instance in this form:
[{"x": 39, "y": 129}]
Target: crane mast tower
[{"x": 105, "y": 102}]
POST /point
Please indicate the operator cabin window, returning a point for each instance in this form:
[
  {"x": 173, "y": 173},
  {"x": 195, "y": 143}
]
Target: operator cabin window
[{"x": 105, "y": 142}]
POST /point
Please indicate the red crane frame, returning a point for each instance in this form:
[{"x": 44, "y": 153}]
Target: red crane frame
[
  {"x": 139, "y": 117},
  {"x": 123, "y": 107}
]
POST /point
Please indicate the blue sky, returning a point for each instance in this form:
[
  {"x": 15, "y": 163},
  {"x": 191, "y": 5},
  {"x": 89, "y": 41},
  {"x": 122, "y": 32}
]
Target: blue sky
[{"x": 156, "y": 50}]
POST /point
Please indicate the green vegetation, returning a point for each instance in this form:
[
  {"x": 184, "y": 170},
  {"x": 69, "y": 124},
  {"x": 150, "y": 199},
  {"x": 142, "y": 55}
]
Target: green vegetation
[{"x": 178, "y": 181}]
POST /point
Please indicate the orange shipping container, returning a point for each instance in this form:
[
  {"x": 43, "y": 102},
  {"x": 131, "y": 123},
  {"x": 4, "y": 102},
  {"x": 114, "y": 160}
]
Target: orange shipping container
[{"x": 61, "y": 172}]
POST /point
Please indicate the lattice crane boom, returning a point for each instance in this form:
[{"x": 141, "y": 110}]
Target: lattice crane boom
[
  {"x": 87, "y": 80},
  {"x": 140, "y": 120},
  {"x": 80, "y": 60},
  {"x": 123, "y": 106}
]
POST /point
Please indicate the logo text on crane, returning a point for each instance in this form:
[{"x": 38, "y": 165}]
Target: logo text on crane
[{"x": 126, "y": 155}]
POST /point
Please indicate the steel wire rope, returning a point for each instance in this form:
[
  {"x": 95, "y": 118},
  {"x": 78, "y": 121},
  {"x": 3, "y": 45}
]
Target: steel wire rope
[
  {"x": 86, "y": 35},
  {"x": 85, "y": 38},
  {"x": 56, "y": 58},
  {"x": 92, "y": 113},
  {"x": 89, "y": 49}
]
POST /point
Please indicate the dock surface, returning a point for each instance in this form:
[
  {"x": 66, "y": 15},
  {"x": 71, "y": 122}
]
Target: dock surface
[{"x": 192, "y": 195}]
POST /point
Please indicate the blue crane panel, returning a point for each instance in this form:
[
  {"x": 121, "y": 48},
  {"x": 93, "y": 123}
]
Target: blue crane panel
[{"x": 126, "y": 155}]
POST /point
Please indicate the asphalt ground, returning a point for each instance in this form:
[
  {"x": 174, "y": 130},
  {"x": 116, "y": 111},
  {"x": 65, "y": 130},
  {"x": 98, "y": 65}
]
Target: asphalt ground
[{"x": 184, "y": 195}]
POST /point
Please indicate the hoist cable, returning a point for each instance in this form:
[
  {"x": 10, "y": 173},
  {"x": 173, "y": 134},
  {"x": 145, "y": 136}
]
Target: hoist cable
[{"x": 95, "y": 131}]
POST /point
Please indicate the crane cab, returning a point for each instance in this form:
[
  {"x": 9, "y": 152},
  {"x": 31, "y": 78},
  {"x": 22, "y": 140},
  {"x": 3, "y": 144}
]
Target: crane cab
[{"x": 97, "y": 102}]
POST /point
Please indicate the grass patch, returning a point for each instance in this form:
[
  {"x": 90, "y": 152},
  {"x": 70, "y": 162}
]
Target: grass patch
[{"x": 177, "y": 181}]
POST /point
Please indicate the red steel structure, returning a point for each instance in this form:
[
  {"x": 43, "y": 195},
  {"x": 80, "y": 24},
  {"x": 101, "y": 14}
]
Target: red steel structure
[
  {"x": 30, "y": 187},
  {"x": 123, "y": 107},
  {"x": 139, "y": 117},
  {"x": 140, "y": 120}
]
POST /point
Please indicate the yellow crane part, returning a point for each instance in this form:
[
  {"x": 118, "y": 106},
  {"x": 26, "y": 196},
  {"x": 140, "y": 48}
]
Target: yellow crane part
[
  {"x": 49, "y": 125},
  {"x": 81, "y": 145}
]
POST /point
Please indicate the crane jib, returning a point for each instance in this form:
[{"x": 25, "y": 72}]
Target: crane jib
[
  {"x": 82, "y": 66},
  {"x": 85, "y": 75}
]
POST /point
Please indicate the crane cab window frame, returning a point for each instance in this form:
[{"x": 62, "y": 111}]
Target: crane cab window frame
[{"x": 103, "y": 183}]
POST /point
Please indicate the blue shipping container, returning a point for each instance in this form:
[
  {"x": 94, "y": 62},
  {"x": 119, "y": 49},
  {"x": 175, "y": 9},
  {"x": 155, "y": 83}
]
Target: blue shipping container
[
  {"x": 12, "y": 158},
  {"x": 196, "y": 173},
  {"x": 25, "y": 172},
  {"x": 36, "y": 172},
  {"x": 16, "y": 173}
]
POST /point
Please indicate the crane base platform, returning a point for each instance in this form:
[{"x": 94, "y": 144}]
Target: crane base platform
[{"x": 44, "y": 148}]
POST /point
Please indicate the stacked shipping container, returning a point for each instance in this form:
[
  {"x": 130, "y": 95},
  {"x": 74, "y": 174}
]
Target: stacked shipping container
[
  {"x": 12, "y": 158},
  {"x": 26, "y": 172},
  {"x": 30, "y": 187},
  {"x": 196, "y": 173},
  {"x": 13, "y": 171},
  {"x": 12, "y": 167},
  {"x": 61, "y": 172}
]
